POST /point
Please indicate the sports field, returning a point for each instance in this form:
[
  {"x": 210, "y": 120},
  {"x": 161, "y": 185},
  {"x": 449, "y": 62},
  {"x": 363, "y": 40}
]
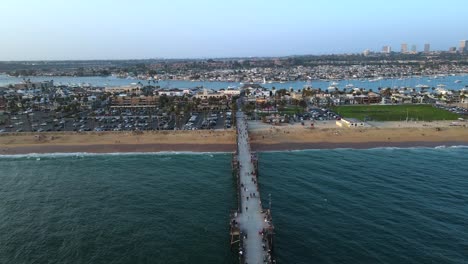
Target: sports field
[{"x": 394, "y": 112}]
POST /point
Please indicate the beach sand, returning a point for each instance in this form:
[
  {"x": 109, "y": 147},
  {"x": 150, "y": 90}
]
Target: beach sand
[
  {"x": 110, "y": 142},
  {"x": 326, "y": 135},
  {"x": 263, "y": 138}
]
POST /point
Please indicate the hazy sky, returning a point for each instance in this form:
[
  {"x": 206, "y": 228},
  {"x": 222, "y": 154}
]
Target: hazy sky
[{"x": 118, "y": 29}]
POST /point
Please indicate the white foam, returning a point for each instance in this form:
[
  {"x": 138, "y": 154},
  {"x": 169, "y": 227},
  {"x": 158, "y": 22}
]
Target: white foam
[
  {"x": 88, "y": 154},
  {"x": 364, "y": 149},
  {"x": 459, "y": 147}
]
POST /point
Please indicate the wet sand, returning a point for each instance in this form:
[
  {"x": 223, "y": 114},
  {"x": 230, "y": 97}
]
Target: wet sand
[
  {"x": 118, "y": 148},
  {"x": 362, "y": 145}
]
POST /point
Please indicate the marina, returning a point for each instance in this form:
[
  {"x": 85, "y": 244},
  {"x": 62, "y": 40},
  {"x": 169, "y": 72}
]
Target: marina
[{"x": 455, "y": 82}]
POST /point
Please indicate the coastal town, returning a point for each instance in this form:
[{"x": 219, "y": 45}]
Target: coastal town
[
  {"x": 44, "y": 106},
  {"x": 365, "y": 65}
]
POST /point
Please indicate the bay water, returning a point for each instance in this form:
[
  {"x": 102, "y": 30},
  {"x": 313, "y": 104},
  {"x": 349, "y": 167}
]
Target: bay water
[{"x": 450, "y": 82}]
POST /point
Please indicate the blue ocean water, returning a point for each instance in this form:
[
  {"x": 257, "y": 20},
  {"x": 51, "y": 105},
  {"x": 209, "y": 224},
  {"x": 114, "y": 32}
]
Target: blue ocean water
[
  {"x": 329, "y": 206},
  {"x": 369, "y": 206},
  {"x": 116, "y": 209}
]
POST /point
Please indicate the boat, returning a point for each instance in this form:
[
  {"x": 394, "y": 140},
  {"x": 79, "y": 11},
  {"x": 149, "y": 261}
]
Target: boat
[
  {"x": 332, "y": 88},
  {"x": 376, "y": 79},
  {"x": 334, "y": 84},
  {"x": 349, "y": 85},
  {"x": 422, "y": 86},
  {"x": 458, "y": 81}
]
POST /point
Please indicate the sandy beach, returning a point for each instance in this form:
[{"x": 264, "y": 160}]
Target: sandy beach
[
  {"x": 111, "y": 142},
  {"x": 327, "y": 135},
  {"x": 263, "y": 138}
]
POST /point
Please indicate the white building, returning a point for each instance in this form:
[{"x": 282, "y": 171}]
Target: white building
[{"x": 351, "y": 122}]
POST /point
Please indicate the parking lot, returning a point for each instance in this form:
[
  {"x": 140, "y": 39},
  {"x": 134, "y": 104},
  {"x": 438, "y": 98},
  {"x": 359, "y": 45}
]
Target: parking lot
[
  {"x": 112, "y": 120},
  {"x": 454, "y": 109},
  {"x": 208, "y": 120},
  {"x": 318, "y": 114}
]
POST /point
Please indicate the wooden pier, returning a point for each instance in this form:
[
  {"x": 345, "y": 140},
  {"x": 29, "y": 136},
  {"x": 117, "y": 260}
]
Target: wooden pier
[{"x": 251, "y": 226}]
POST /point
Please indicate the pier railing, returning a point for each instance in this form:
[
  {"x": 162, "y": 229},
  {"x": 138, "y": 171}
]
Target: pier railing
[{"x": 238, "y": 223}]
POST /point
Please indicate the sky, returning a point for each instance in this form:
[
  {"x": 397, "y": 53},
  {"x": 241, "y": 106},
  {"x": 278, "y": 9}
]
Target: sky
[{"x": 143, "y": 29}]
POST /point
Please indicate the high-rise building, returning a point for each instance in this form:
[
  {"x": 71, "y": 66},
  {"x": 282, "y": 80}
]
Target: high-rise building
[
  {"x": 463, "y": 46},
  {"x": 414, "y": 49},
  {"x": 404, "y": 48},
  {"x": 427, "y": 48},
  {"x": 386, "y": 49}
]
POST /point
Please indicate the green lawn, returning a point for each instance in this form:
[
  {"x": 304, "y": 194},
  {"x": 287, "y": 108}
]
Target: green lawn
[{"x": 394, "y": 112}]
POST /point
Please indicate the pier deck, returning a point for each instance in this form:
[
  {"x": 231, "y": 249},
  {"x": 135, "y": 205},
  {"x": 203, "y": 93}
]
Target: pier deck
[{"x": 251, "y": 221}]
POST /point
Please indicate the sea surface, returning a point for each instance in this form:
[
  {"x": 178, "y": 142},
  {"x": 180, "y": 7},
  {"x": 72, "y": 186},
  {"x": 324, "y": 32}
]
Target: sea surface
[
  {"x": 111, "y": 81},
  {"x": 384, "y": 205}
]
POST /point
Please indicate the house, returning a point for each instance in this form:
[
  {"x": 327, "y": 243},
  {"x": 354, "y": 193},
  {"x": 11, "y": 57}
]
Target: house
[
  {"x": 206, "y": 95},
  {"x": 27, "y": 84},
  {"x": 124, "y": 89},
  {"x": 174, "y": 92},
  {"x": 370, "y": 98},
  {"x": 230, "y": 91},
  {"x": 401, "y": 99}
]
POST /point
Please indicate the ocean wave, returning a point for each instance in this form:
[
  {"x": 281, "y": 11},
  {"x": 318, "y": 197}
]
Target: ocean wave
[
  {"x": 88, "y": 154},
  {"x": 367, "y": 149},
  {"x": 459, "y": 147}
]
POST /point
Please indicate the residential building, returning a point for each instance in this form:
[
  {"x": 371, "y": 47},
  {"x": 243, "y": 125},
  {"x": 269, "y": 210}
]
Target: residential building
[
  {"x": 386, "y": 49},
  {"x": 34, "y": 85},
  {"x": 463, "y": 46},
  {"x": 174, "y": 92},
  {"x": 427, "y": 48},
  {"x": 206, "y": 95},
  {"x": 230, "y": 91},
  {"x": 404, "y": 48},
  {"x": 124, "y": 89}
]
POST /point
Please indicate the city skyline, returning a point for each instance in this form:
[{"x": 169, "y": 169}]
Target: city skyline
[{"x": 81, "y": 30}]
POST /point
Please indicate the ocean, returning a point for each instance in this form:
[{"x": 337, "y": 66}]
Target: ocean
[{"x": 384, "y": 205}]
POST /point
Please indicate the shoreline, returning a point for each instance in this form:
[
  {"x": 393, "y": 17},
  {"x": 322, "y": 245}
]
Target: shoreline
[
  {"x": 352, "y": 145},
  {"x": 261, "y": 139},
  {"x": 117, "y": 148},
  {"x": 216, "y": 148}
]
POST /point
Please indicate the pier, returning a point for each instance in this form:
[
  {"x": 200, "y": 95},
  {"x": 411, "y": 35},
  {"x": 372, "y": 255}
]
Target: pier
[{"x": 251, "y": 225}]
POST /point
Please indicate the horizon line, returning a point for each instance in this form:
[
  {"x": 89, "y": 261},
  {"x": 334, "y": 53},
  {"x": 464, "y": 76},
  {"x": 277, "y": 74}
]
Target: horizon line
[{"x": 225, "y": 58}]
